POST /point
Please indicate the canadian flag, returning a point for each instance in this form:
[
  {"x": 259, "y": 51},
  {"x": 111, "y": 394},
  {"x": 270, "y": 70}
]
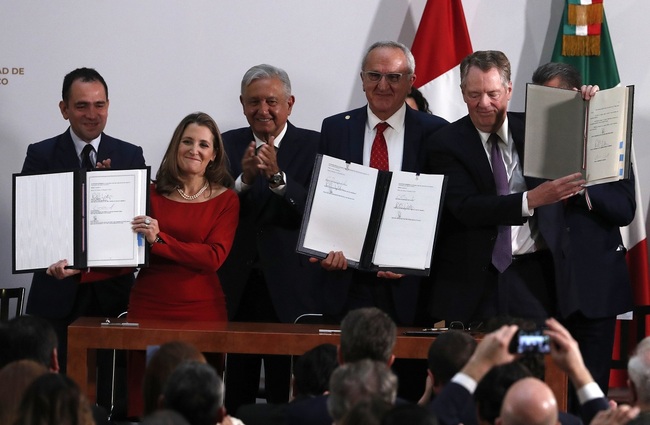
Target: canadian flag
[{"x": 441, "y": 43}]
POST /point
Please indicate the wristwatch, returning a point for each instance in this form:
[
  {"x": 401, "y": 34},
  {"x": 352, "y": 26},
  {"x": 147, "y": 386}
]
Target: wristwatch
[
  {"x": 157, "y": 240},
  {"x": 276, "y": 179}
]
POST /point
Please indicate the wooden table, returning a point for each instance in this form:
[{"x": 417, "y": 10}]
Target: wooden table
[{"x": 86, "y": 335}]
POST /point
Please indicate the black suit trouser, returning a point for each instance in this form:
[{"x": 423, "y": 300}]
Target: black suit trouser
[{"x": 243, "y": 370}]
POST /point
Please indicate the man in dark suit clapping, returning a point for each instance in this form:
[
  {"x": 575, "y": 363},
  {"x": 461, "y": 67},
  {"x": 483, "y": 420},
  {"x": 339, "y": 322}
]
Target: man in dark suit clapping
[{"x": 264, "y": 279}]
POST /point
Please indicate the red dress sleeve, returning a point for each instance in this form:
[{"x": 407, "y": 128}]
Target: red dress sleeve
[{"x": 208, "y": 255}]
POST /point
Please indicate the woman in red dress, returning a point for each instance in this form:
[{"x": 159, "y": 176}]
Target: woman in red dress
[{"x": 191, "y": 228}]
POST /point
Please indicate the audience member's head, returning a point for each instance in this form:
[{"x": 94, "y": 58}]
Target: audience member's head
[
  {"x": 14, "y": 380},
  {"x": 312, "y": 371},
  {"x": 195, "y": 391},
  {"x": 529, "y": 401},
  {"x": 54, "y": 399},
  {"x": 448, "y": 354},
  {"x": 354, "y": 382},
  {"x": 165, "y": 417},
  {"x": 417, "y": 101},
  {"x": 556, "y": 74},
  {"x": 411, "y": 414},
  {"x": 30, "y": 338},
  {"x": 160, "y": 366},
  {"x": 491, "y": 390},
  {"x": 638, "y": 370},
  {"x": 367, "y": 412},
  {"x": 367, "y": 333}
]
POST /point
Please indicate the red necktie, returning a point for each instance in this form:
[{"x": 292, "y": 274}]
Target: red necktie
[{"x": 379, "y": 152}]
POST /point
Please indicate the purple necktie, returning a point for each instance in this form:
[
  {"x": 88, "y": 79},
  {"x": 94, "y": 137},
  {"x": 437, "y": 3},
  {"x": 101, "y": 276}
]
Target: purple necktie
[{"x": 502, "y": 252}]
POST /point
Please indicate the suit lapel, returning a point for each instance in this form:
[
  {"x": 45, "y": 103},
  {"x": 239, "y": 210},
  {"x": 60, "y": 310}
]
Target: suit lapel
[
  {"x": 517, "y": 130},
  {"x": 288, "y": 149},
  {"x": 356, "y": 134},
  {"x": 475, "y": 151},
  {"x": 66, "y": 153},
  {"x": 412, "y": 142},
  {"x": 106, "y": 148}
]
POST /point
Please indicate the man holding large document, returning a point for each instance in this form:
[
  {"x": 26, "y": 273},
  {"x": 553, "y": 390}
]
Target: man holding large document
[
  {"x": 388, "y": 135},
  {"x": 387, "y": 75},
  {"x": 599, "y": 285},
  {"x": 499, "y": 249},
  {"x": 85, "y": 105}
]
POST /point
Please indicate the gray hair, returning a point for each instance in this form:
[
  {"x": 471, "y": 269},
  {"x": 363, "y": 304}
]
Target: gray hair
[
  {"x": 367, "y": 333},
  {"x": 638, "y": 369},
  {"x": 352, "y": 383},
  {"x": 195, "y": 391},
  {"x": 266, "y": 71},
  {"x": 486, "y": 60},
  {"x": 410, "y": 60}
]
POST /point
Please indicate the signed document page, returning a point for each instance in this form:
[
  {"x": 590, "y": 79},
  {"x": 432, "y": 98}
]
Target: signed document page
[
  {"x": 408, "y": 226},
  {"x": 341, "y": 208},
  {"x": 606, "y": 136},
  {"x": 114, "y": 198},
  {"x": 43, "y": 220}
]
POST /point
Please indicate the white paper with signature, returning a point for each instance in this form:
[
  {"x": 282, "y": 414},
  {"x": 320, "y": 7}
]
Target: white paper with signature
[
  {"x": 341, "y": 209},
  {"x": 409, "y": 221},
  {"x": 114, "y": 197}
]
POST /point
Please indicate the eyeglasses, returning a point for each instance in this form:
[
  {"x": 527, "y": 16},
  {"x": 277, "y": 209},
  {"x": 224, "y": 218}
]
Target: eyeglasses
[{"x": 391, "y": 78}]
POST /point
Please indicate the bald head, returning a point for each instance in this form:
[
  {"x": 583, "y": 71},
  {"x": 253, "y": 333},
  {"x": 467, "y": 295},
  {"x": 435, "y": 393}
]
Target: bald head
[
  {"x": 529, "y": 401},
  {"x": 638, "y": 370}
]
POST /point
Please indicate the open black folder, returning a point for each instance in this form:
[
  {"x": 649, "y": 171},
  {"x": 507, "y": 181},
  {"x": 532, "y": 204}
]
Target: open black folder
[
  {"x": 380, "y": 220},
  {"x": 82, "y": 216}
]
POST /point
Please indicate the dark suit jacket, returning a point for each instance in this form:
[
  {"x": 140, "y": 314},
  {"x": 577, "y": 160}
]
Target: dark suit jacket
[
  {"x": 52, "y": 298},
  {"x": 269, "y": 226},
  {"x": 456, "y": 405},
  {"x": 263, "y": 414},
  {"x": 599, "y": 282},
  {"x": 342, "y": 136},
  {"x": 462, "y": 271},
  {"x": 309, "y": 411}
]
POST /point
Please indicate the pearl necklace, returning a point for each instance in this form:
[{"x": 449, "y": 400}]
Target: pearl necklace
[{"x": 191, "y": 197}]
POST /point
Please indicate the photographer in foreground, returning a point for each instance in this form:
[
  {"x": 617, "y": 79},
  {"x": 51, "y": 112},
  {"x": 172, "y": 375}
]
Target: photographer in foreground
[{"x": 493, "y": 350}]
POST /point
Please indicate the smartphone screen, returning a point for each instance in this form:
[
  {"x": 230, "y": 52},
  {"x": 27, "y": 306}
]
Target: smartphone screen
[{"x": 527, "y": 342}]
